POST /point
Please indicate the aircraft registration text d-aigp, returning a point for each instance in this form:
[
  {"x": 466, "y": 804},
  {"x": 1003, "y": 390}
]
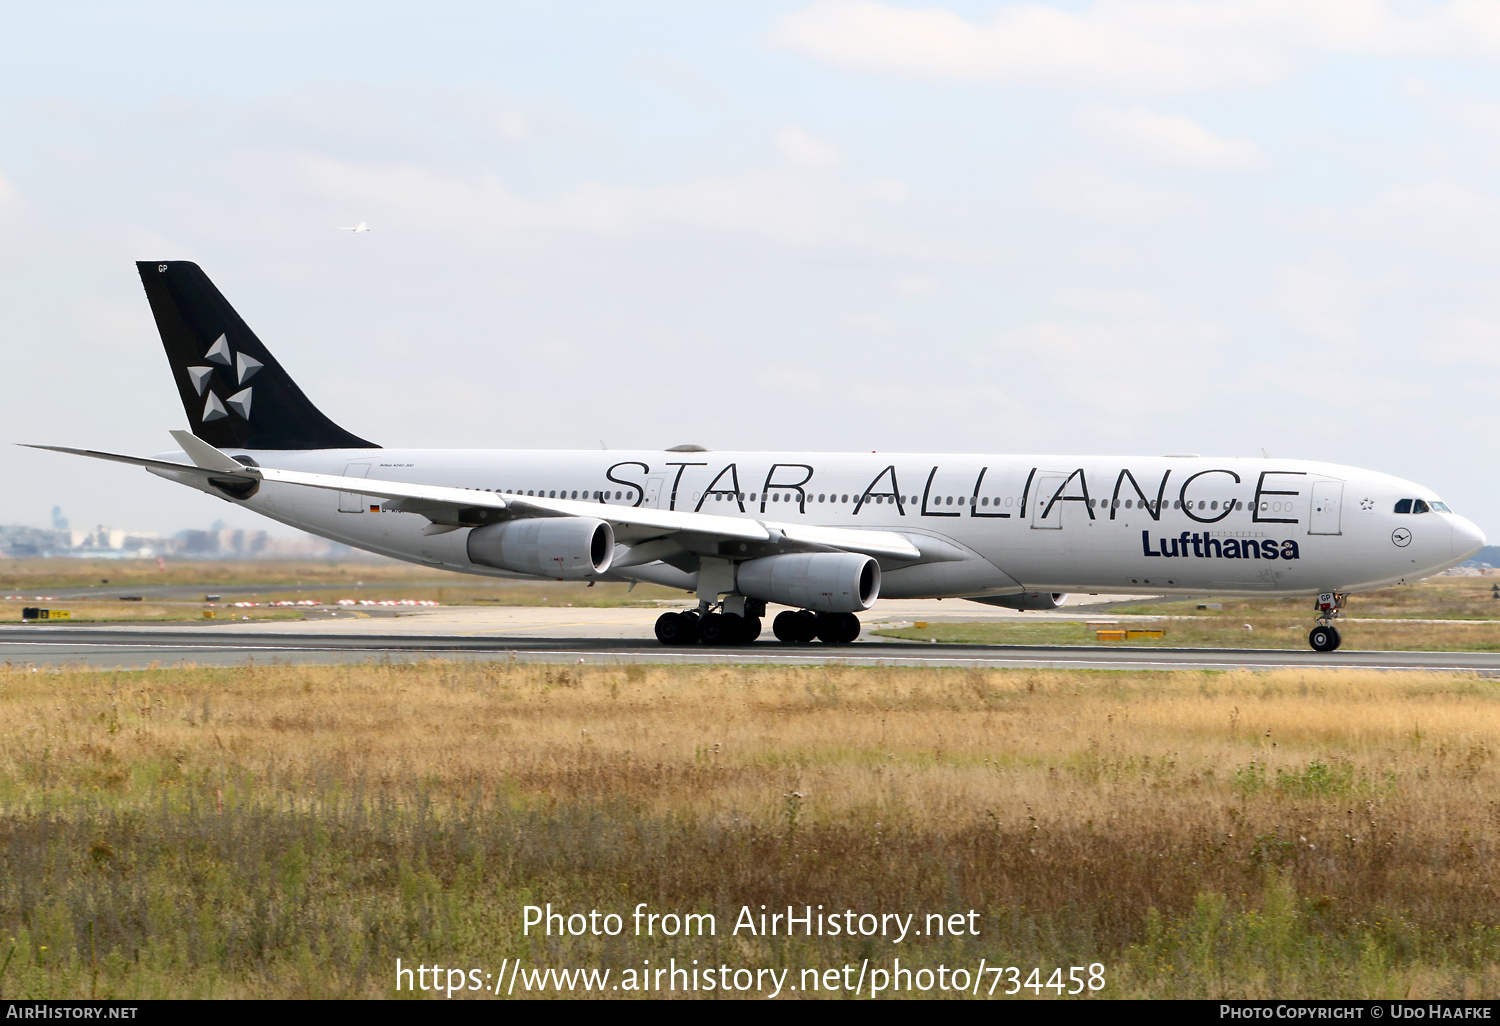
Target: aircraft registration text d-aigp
[{"x": 823, "y": 533}]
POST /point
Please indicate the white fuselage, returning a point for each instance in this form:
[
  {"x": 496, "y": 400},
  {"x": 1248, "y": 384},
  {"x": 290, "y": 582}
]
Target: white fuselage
[{"x": 1010, "y": 523}]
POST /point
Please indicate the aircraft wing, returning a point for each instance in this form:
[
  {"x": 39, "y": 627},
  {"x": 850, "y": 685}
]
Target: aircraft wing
[{"x": 453, "y": 508}]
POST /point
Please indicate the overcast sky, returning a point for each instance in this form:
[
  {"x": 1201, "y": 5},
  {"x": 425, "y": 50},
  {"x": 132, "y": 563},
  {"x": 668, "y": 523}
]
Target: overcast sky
[{"x": 1136, "y": 226}]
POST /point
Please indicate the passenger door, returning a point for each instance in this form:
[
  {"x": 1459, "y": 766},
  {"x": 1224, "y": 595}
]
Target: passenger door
[
  {"x": 1327, "y": 503},
  {"x": 1044, "y": 487}
]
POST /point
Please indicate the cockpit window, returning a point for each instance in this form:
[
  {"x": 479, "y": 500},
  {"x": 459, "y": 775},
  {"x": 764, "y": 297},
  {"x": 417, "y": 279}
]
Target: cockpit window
[
  {"x": 1440, "y": 507},
  {"x": 1418, "y": 506},
  {"x": 1403, "y": 505}
]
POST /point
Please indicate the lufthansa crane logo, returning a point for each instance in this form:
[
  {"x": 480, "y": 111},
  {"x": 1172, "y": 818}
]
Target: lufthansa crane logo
[
  {"x": 1401, "y": 537},
  {"x": 238, "y": 368}
]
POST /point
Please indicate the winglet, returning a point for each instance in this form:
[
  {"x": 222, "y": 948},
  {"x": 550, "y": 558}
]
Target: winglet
[{"x": 206, "y": 456}]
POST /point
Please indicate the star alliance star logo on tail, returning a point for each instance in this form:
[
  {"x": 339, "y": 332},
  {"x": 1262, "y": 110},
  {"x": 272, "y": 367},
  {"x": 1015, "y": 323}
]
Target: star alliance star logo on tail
[{"x": 243, "y": 368}]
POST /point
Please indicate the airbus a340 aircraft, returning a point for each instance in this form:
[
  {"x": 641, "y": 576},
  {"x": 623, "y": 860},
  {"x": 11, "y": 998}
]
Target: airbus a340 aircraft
[{"x": 823, "y": 533}]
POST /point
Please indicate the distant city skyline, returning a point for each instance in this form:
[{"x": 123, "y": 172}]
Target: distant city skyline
[{"x": 1138, "y": 226}]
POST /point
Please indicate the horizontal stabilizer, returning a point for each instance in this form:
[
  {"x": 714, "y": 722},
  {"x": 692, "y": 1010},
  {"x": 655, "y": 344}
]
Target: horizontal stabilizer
[{"x": 142, "y": 461}]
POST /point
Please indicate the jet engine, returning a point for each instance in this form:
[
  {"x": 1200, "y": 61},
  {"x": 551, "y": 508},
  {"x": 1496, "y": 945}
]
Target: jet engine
[
  {"x": 566, "y": 548},
  {"x": 829, "y": 582},
  {"x": 1027, "y": 600}
]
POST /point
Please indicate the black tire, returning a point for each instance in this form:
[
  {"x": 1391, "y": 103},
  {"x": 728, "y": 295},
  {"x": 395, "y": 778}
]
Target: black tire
[
  {"x": 837, "y": 628},
  {"x": 787, "y": 627},
  {"x": 851, "y": 628},
  {"x": 669, "y": 628},
  {"x": 677, "y": 629},
  {"x": 721, "y": 629},
  {"x": 1324, "y": 639},
  {"x": 830, "y": 628},
  {"x": 1338, "y": 639},
  {"x": 751, "y": 630},
  {"x": 807, "y": 625}
]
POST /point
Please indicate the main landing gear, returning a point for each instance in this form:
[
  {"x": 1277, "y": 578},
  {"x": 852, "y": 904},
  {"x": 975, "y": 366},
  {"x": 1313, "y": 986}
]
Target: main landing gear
[
  {"x": 1325, "y": 636},
  {"x": 791, "y": 626},
  {"x": 801, "y": 626},
  {"x": 692, "y": 627}
]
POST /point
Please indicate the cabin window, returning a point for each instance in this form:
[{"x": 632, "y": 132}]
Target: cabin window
[
  {"x": 1440, "y": 507},
  {"x": 1418, "y": 506},
  {"x": 1403, "y": 505}
]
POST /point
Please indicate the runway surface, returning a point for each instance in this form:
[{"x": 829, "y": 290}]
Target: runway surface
[{"x": 140, "y": 647}]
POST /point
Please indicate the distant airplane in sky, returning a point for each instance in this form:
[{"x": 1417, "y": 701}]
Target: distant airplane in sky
[
  {"x": 361, "y": 227},
  {"x": 824, "y": 533}
]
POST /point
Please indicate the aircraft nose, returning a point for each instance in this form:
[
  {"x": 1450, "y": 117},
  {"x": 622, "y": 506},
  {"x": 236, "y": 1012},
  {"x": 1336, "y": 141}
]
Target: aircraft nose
[{"x": 1467, "y": 538}]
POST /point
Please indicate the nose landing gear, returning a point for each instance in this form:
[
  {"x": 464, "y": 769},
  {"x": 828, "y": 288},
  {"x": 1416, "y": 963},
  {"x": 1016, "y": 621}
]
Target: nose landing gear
[{"x": 1325, "y": 636}]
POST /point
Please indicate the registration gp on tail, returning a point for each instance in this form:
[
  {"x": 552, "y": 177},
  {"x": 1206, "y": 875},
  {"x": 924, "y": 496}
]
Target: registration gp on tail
[{"x": 825, "y": 534}]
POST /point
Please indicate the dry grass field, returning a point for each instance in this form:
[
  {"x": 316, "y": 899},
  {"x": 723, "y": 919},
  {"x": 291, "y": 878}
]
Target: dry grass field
[{"x": 292, "y": 831}]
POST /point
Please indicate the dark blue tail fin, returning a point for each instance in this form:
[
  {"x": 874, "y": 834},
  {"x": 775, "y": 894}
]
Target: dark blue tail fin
[{"x": 235, "y": 393}]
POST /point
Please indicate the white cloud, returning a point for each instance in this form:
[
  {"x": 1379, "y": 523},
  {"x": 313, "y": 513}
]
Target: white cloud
[
  {"x": 1163, "y": 45},
  {"x": 916, "y": 287},
  {"x": 890, "y": 190},
  {"x": 787, "y": 207},
  {"x": 1321, "y": 299},
  {"x": 1097, "y": 196},
  {"x": 1170, "y": 141},
  {"x": 1471, "y": 339},
  {"x": 808, "y": 151},
  {"x": 1117, "y": 368},
  {"x": 1109, "y": 302},
  {"x": 1444, "y": 217}
]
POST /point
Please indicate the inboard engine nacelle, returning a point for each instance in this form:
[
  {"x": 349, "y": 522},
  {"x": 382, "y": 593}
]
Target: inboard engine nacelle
[
  {"x": 566, "y": 548},
  {"x": 828, "y": 582}
]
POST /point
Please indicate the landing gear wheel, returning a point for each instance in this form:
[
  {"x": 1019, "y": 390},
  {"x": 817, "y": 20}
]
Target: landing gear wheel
[
  {"x": 722, "y": 629},
  {"x": 795, "y": 627},
  {"x": 837, "y": 628},
  {"x": 1324, "y": 639},
  {"x": 676, "y": 629},
  {"x": 851, "y": 628},
  {"x": 751, "y": 630}
]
